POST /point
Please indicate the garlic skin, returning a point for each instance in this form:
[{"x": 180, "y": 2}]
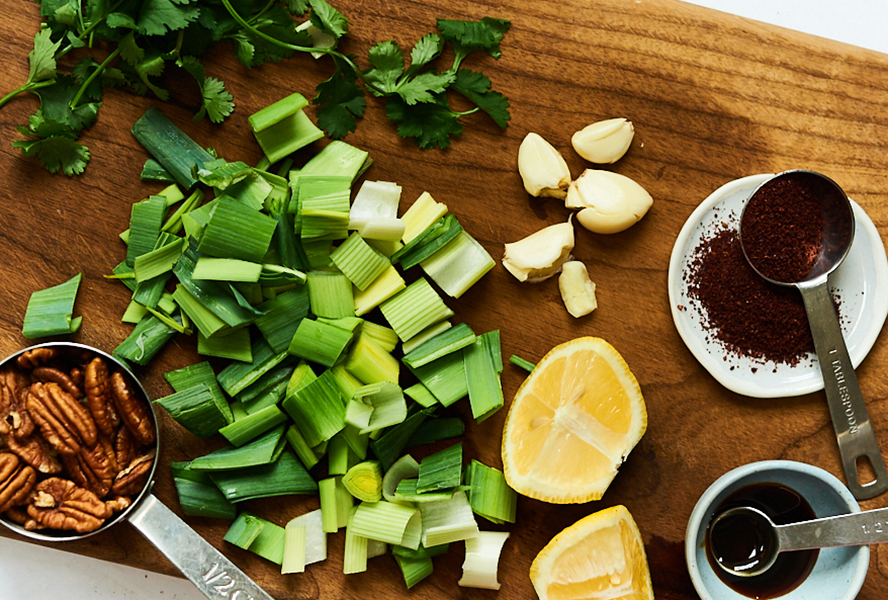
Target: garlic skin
[
  {"x": 610, "y": 202},
  {"x": 543, "y": 170},
  {"x": 604, "y": 142},
  {"x": 541, "y": 254},
  {"x": 577, "y": 290}
]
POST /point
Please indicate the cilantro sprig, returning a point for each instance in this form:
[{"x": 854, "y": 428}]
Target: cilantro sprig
[{"x": 141, "y": 40}]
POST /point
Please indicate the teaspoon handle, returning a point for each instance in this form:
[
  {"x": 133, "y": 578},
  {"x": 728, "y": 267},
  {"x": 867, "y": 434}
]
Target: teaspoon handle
[
  {"x": 847, "y": 407},
  {"x": 856, "y": 529}
]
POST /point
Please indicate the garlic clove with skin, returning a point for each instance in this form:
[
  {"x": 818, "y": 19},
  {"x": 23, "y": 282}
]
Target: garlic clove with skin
[
  {"x": 610, "y": 202},
  {"x": 541, "y": 254},
  {"x": 577, "y": 290},
  {"x": 604, "y": 142},
  {"x": 542, "y": 168}
]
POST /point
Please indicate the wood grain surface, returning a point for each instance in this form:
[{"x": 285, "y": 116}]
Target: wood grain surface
[{"x": 712, "y": 97}]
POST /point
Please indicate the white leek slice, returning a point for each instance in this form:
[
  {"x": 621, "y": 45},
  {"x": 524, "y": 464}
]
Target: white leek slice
[
  {"x": 315, "y": 538},
  {"x": 447, "y": 521},
  {"x": 388, "y": 522},
  {"x": 459, "y": 264},
  {"x": 375, "y": 200},
  {"x": 405, "y": 467},
  {"x": 421, "y": 215},
  {"x": 320, "y": 39},
  {"x": 376, "y": 548},
  {"x": 482, "y": 560},
  {"x": 382, "y": 229}
]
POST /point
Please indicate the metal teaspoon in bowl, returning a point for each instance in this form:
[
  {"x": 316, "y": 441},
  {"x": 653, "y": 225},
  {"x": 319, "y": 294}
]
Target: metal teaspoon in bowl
[
  {"x": 745, "y": 542},
  {"x": 796, "y": 229},
  {"x": 210, "y": 571}
]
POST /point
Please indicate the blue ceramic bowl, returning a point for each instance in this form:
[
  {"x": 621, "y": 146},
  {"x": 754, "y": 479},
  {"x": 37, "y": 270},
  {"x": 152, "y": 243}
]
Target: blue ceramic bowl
[{"x": 838, "y": 574}]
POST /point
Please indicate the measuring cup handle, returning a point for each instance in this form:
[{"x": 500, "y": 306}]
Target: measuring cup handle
[
  {"x": 868, "y": 527},
  {"x": 213, "y": 574},
  {"x": 847, "y": 407}
]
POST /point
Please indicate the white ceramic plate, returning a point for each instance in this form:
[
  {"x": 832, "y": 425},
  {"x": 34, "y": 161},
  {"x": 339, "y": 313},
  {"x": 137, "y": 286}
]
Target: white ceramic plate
[{"x": 861, "y": 280}]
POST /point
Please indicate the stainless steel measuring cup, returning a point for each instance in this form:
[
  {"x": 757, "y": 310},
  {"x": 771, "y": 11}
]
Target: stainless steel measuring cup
[{"x": 213, "y": 574}]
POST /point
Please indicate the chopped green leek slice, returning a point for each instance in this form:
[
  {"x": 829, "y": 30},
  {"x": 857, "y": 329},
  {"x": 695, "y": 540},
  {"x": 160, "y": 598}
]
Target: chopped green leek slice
[
  {"x": 447, "y": 521},
  {"x": 244, "y": 530},
  {"x": 277, "y": 112},
  {"x": 414, "y": 308},
  {"x": 242, "y": 431},
  {"x": 233, "y": 344},
  {"x": 414, "y": 570},
  {"x": 269, "y": 544},
  {"x": 482, "y": 377},
  {"x": 392, "y": 443},
  {"x": 236, "y": 377},
  {"x": 317, "y": 409},
  {"x": 406, "y": 492},
  {"x": 158, "y": 261},
  {"x": 315, "y": 538},
  {"x": 421, "y": 215},
  {"x": 345, "y": 381},
  {"x": 337, "y": 455},
  {"x": 387, "y": 404},
  {"x": 405, "y": 467},
  {"x": 437, "y": 430},
  {"x": 203, "y": 500},
  {"x": 146, "y": 339},
  {"x": 364, "y": 481},
  {"x": 287, "y": 135},
  {"x": 358, "y": 261},
  {"x": 459, "y": 265},
  {"x": 268, "y": 390},
  {"x": 283, "y": 477},
  {"x": 428, "y": 242},
  {"x": 215, "y": 296},
  {"x": 237, "y": 231},
  {"x": 421, "y": 395},
  {"x": 226, "y": 269},
  {"x": 153, "y": 171},
  {"x": 49, "y": 311},
  {"x": 425, "y": 335},
  {"x": 370, "y": 363},
  {"x": 261, "y": 451},
  {"x": 384, "y": 521},
  {"x": 524, "y": 364},
  {"x": 281, "y": 317},
  {"x": 340, "y": 159},
  {"x": 336, "y": 503},
  {"x": 134, "y": 313},
  {"x": 489, "y": 494},
  {"x": 204, "y": 319},
  {"x": 305, "y": 452},
  {"x": 175, "y": 151},
  {"x": 196, "y": 374},
  {"x": 319, "y": 342},
  {"x": 384, "y": 287},
  {"x": 440, "y": 471},
  {"x": 445, "y": 378},
  {"x": 375, "y": 200},
  {"x": 354, "y": 558},
  {"x": 482, "y": 560},
  {"x": 330, "y": 295},
  {"x": 146, "y": 221},
  {"x": 384, "y": 336},
  {"x": 451, "y": 340},
  {"x": 294, "y": 549},
  {"x": 196, "y": 409}
]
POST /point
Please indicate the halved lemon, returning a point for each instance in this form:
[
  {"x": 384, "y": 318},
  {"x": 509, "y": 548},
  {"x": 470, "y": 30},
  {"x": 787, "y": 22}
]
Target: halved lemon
[
  {"x": 572, "y": 423},
  {"x": 598, "y": 557}
]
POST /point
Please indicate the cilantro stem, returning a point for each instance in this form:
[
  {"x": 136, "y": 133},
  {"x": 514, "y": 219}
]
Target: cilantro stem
[
  {"x": 263, "y": 11},
  {"x": 28, "y": 87},
  {"x": 92, "y": 77}
]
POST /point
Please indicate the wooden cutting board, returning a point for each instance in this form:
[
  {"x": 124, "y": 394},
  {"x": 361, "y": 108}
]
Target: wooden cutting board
[{"x": 713, "y": 97}]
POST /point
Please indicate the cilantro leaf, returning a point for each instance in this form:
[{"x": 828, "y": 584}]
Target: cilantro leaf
[
  {"x": 152, "y": 66},
  {"x": 55, "y": 105},
  {"x": 297, "y": 7},
  {"x": 427, "y": 49},
  {"x": 57, "y": 153},
  {"x": 388, "y": 62},
  {"x": 129, "y": 50},
  {"x": 340, "y": 101},
  {"x": 217, "y": 101},
  {"x": 156, "y": 17},
  {"x": 244, "y": 50},
  {"x": 422, "y": 87},
  {"x": 471, "y": 36},
  {"x": 120, "y": 20},
  {"x": 476, "y": 87},
  {"x": 328, "y": 19},
  {"x": 430, "y": 124},
  {"x": 42, "y": 57}
]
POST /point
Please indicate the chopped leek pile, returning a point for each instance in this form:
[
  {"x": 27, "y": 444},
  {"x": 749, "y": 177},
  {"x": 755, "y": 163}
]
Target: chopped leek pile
[{"x": 276, "y": 273}]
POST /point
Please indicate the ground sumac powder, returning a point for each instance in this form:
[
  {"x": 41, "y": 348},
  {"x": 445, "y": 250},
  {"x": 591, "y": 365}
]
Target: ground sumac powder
[
  {"x": 783, "y": 226},
  {"x": 745, "y": 313}
]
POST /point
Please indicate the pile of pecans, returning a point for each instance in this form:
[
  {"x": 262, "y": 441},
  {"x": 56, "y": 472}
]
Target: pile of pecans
[{"x": 76, "y": 441}]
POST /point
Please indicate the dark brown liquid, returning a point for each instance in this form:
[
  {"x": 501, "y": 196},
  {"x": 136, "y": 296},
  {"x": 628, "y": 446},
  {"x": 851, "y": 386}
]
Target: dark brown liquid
[{"x": 742, "y": 543}]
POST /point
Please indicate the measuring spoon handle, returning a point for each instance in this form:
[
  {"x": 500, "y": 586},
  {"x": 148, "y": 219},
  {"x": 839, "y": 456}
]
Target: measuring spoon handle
[
  {"x": 856, "y": 529},
  {"x": 847, "y": 407}
]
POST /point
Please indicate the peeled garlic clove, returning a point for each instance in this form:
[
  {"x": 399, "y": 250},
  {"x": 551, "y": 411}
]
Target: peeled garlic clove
[
  {"x": 577, "y": 290},
  {"x": 611, "y": 202},
  {"x": 604, "y": 142},
  {"x": 542, "y": 168},
  {"x": 539, "y": 255}
]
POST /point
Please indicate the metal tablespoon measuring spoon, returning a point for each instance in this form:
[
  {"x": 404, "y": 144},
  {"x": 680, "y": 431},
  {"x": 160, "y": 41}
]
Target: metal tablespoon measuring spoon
[
  {"x": 808, "y": 269},
  {"x": 745, "y": 543}
]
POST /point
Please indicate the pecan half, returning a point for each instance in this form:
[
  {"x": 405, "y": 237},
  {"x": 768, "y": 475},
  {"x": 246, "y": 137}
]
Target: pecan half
[
  {"x": 126, "y": 448},
  {"x": 17, "y": 480},
  {"x": 36, "y": 452},
  {"x": 46, "y": 374},
  {"x": 14, "y": 418},
  {"x": 98, "y": 396},
  {"x": 63, "y": 421},
  {"x": 133, "y": 411},
  {"x": 36, "y": 357},
  {"x": 76, "y": 376},
  {"x": 91, "y": 469},
  {"x": 17, "y": 515},
  {"x": 131, "y": 480},
  {"x": 60, "y": 504}
]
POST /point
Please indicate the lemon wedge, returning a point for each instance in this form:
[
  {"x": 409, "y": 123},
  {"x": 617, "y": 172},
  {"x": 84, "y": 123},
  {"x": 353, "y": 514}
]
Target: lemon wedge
[
  {"x": 572, "y": 423},
  {"x": 598, "y": 557}
]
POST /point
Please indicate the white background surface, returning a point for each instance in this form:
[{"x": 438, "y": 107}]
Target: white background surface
[{"x": 29, "y": 572}]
